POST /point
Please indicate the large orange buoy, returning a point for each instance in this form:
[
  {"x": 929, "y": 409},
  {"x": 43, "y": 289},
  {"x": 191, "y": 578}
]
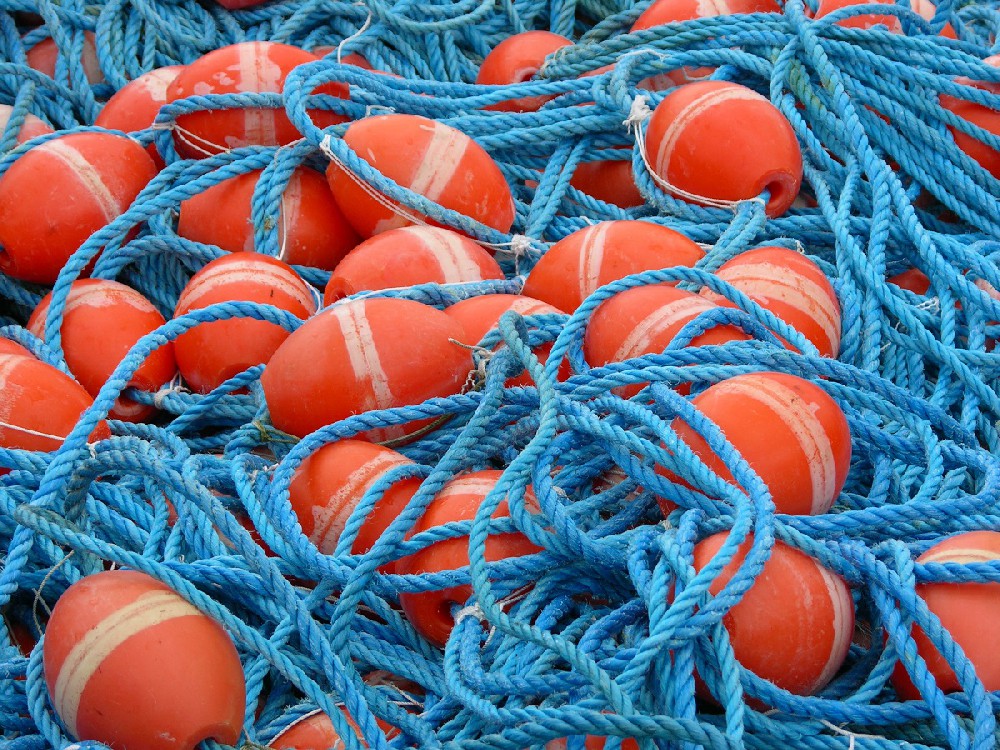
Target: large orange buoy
[
  {"x": 328, "y": 485},
  {"x": 102, "y": 320},
  {"x": 865, "y": 21},
  {"x": 43, "y": 56},
  {"x": 459, "y": 500},
  {"x": 312, "y": 231},
  {"x": 793, "y": 627},
  {"x": 428, "y": 157},
  {"x": 212, "y": 352},
  {"x": 573, "y": 268},
  {"x": 32, "y": 127},
  {"x": 136, "y": 105},
  {"x": 130, "y": 663},
  {"x": 244, "y": 68},
  {"x": 356, "y": 356},
  {"x": 791, "y": 286},
  {"x": 480, "y": 314},
  {"x": 516, "y": 59},
  {"x": 760, "y": 153},
  {"x": 970, "y": 612},
  {"x": 609, "y": 181},
  {"x": 409, "y": 256},
  {"x": 665, "y": 12},
  {"x": 315, "y": 731},
  {"x": 78, "y": 183},
  {"x": 984, "y": 117},
  {"x": 39, "y": 405},
  {"x": 790, "y": 431},
  {"x": 644, "y": 320}
]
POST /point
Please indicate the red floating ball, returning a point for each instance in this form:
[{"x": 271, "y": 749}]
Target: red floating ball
[
  {"x": 865, "y": 21},
  {"x": 78, "y": 183},
  {"x": 315, "y": 731},
  {"x": 130, "y": 663},
  {"x": 793, "y": 627},
  {"x": 39, "y": 405},
  {"x": 926, "y": 10},
  {"x": 409, "y": 256},
  {"x": 970, "y": 612},
  {"x": 480, "y": 314},
  {"x": 573, "y": 268},
  {"x": 42, "y": 57},
  {"x": 761, "y": 152},
  {"x": 329, "y": 484},
  {"x": 355, "y": 356},
  {"x": 609, "y": 181},
  {"x": 214, "y": 351},
  {"x": 984, "y": 117},
  {"x": 32, "y": 127},
  {"x": 136, "y": 105},
  {"x": 428, "y": 157},
  {"x": 644, "y": 320},
  {"x": 459, "y": 500},
  {"x": 792, "y": 287},
  {"x": 312, "y": 231},
  {"x": 516, "y": 59},
  {"x": 10, "y": 347},
  {"x": 102, "y": 320},
  {"x": 244, "y": 68},
  {"x": 790, "y": 431}
]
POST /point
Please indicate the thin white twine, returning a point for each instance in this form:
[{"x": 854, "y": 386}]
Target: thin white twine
[
  {"x": 843, "y": 732},
  {"x": 190, "y": 138},
  {"x": 36, "y": 433},
  {"x": 355, "y": 35},
  {"x": 174, "y": 387},
  {"x": 639, "y": 113},
  {"x": 477, "y": 612}
]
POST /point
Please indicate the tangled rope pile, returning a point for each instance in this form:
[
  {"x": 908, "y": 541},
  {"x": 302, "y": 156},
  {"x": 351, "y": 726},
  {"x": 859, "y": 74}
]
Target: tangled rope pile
[{"x": 609, "y": 631}]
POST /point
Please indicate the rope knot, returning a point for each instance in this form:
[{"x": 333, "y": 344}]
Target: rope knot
[{"x": 638, "y": 113}]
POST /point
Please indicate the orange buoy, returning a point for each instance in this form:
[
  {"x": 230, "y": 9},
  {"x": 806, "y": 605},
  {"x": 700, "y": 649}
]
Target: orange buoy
[
  {"x": 408, "y": 256},
  {"x": 428, "y": 157},
  {"x": 459, "y": 500},
  {"x": 130, "y": 663},
  {"x": 244, "y": 68},
  {"x": 329, "y": 484},
  {"x": 609, "y": 181},
  {"x": 793, "y": 627},
  {"x": 355, "y": 356},
  {"x": 136, "y": 105},
  {"x": 574, "y": 267},
  {"x": 39, "y": 405},
  {"x": 312, "y": 231},
  {"x": 791, "y": 286},
  {"x": 984, "y": 117},
  {"x": 78, "y": 183},
  {"x": 480, "y": 314},
  {"x": 43, "y": 56},
  {"x": 516, "y": 59},
  {"x": 32, "y": 127},
  {"x": 865, "y": 21},
  {"x": 102, "y": 320},
  {"x": 793, "y": 435},
  {"x": 761, "y": 152},
  {"x": 970, "y": 612},
  {"x": 214, "y": 351}
]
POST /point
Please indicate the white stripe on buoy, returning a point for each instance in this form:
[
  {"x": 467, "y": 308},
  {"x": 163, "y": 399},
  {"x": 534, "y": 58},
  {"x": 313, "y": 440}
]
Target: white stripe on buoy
[
  {"x": 88, "y": 175},
  {"x": 258, "y": 73},
  {"x": 290, "y": 208},
  {"x": 330, "y": 518},
  {"x": 527, "y": 306},
  {"x": 11, "y": 394},
  {"x": 592, "y": 257},
  {"x": 155, "y": 83},
  {"x": 691, "y": 112},
  {"x": 708, "y": 8},
  {"x": 445, "y": 150},
  {"x": 450, "y": 252},
  {"x": 763, "y": 281},
  {"x": 812, "y": 439},
  {"x": 843, "y": 631},
  {"x": 662, "y": 318},
  {"x": 471, "y": 485},
  {"x": 959, "y": 555},
  {"x": 89, "y": 653},
  {"x": 263, "y": 275},
  {"x": 363, "y": 355}
]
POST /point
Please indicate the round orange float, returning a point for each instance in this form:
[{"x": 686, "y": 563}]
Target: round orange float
[{"x": 516, "y": 59}]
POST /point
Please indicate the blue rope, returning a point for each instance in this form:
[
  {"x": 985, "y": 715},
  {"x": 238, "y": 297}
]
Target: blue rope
[{"x": 608, "y": 630}]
